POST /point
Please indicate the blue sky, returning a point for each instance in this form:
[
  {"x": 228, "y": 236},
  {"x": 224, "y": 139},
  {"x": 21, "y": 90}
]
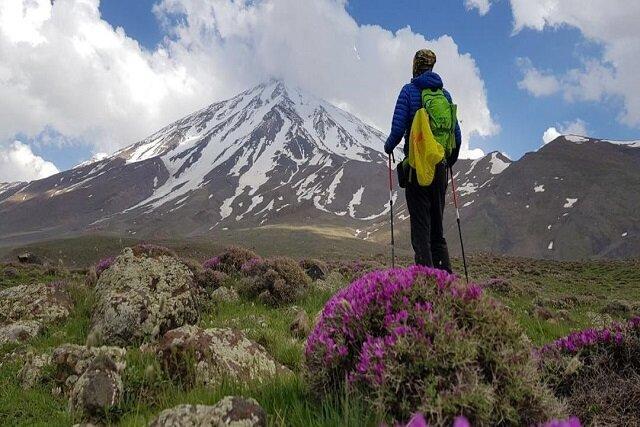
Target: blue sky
[
  {"x": 490, "y": 41},
  {"x": 564, "y": 93}
]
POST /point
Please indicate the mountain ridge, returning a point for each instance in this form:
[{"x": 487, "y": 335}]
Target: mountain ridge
[{"x": 276, "y": 155}]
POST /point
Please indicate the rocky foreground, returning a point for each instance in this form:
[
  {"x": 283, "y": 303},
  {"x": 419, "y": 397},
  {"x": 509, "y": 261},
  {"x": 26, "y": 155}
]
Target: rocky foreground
[{"x": 148, "y": 337}]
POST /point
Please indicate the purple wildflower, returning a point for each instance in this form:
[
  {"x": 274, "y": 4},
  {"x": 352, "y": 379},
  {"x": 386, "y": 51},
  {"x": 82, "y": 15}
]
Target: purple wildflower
[
  {"x": 212, "y": 263},
  {"x": 571, "y": 422},
  {"x": 103, "y": 264},
  {"x": 461, "y": 421}
]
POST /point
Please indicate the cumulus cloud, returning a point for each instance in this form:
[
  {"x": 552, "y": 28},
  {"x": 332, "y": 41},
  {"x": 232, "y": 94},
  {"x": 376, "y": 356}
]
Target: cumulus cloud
[
  {"x": 576, "y": 127},
  {"x": 482, "y": 6},
  {"x": 536, "y": 82},
  {"x": 609, "y": 23},
  {"x": 63, "y": 67},
  {"x": 19, "y": 163}
]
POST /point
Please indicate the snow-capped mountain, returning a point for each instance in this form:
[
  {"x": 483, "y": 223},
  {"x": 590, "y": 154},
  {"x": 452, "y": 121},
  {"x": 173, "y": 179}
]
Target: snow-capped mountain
[
  {"x": 274, "y": 155},
  {"x": 271, "y": 154}
]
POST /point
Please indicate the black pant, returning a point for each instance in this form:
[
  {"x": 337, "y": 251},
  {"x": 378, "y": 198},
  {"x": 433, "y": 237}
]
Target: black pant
[{"x": 426, "y": 207}]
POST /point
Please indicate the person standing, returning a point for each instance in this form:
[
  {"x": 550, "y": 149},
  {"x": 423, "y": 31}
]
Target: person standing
[{"x": 425, "y": 203}]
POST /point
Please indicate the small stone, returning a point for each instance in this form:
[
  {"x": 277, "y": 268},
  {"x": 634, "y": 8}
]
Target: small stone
[
  {"x": 224, "y": 294},
  {"x": 30, "y": 258},
  {"x": 230, "y": 411},
  {"x": 300, "y": 326},
  {"x": 98, "y": 390}
]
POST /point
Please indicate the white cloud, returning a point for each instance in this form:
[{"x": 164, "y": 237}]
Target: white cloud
[
  {"x": 609, "y": 23},
  {"x": 19, "y": 163},
  {"x": 576, "y": 127},
  {"x": 550, "y": 134},
  {"x": 64, "y": 68},
  {"x": 482, "y": 6},
  {"x": 536, "y": 82}
]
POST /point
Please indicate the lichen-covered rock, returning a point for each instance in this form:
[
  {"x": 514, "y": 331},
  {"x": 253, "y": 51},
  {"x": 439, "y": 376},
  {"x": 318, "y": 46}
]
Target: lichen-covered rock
[
  {"x": 206, "y": 356},
  {"x": 230, "y": 411},
  {"x": 67, "y": 363},
  {"x": 98, "y": 390},
  {"x": 300, "y": 327},
  {"x": 45, "y": 303},
  {"x": 332, "y": 282},
  {"x": 224, "y": 294},
  {"x": 19, "y": 331},
  {"x": 139, "y": 298}
]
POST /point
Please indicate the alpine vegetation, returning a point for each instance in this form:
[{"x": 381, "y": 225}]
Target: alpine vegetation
[
  {"x": 590, "y": 369},
  {"x": 417, "y": 339}
]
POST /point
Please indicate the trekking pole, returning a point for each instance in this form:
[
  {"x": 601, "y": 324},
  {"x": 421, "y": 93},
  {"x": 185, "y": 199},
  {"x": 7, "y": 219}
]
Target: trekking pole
[
  {"x": 455, "y": 202},
  {"x": 393, "y": 243}
]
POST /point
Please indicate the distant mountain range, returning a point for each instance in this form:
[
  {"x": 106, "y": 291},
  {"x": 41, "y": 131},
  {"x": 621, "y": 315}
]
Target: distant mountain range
[{"x": 274, "y": 155}]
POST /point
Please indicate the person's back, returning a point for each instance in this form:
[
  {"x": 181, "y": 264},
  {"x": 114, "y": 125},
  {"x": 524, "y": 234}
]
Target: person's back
[{"x": 425, "y": 204}]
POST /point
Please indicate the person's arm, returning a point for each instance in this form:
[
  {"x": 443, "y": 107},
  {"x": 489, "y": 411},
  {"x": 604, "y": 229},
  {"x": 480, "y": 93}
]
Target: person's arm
[
  {"x": 399, "y": 123},
  {"x": 453, "y": 158}
]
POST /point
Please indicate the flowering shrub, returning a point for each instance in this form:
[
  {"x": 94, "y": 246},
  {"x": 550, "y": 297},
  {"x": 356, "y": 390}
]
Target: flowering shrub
[
  {"x": 275, "y": 281},
  {"x": 589, "y": 369},
  {"x": 231, "y": 260},
  {"x": 416, "y": 339},
  {"x": 152, "y": 251},
  {"x": 103, "y": 264},
  {"x": 212, "y": 263}
]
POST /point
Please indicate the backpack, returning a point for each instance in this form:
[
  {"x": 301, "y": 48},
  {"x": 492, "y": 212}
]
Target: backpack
[
  {"x": 432, "y": 136},
  {"x": 442, "y": 118}
]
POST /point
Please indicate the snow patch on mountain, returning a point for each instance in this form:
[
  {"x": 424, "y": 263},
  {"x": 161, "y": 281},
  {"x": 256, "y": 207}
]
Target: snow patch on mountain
[
  {"x": 570, "y": 203},
  {"x": 497, "y": 164}
]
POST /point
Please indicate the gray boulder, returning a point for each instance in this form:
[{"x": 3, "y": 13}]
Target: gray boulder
[
  {"x": 230, "y": 411},
  {"x": 98, "y": 390},
  {"x": 207, "y": 356},
  {"x": 139, "y": 298}
]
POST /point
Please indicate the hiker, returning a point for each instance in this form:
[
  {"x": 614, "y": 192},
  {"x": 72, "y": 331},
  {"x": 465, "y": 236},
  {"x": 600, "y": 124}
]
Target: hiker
[{"x": 425, "y": 203}]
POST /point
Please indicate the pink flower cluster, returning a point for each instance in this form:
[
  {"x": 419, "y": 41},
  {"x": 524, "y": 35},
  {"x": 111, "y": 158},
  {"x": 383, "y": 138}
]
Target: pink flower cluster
[
  {"x": 250, "y": 266},
  {"x": 418, "y": 420},
  {"x": 591, "y": 337},
  {"x": 571, "y": 422},
  {"x": 361, "y": 324},
  {"x": 103, "y": 264},
  {"x": 212, "y": 263}
]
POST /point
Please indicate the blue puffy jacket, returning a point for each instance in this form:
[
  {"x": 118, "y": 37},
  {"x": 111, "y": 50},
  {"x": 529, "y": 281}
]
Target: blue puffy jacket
[{"x": 409, "y": 102}]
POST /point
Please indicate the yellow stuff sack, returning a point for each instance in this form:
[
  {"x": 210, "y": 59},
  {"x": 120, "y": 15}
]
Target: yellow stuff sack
[{"x": 424, "y": 151}]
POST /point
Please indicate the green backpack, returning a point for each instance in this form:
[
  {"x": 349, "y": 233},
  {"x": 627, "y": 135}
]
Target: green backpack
[{"x": 442, "y": 118}]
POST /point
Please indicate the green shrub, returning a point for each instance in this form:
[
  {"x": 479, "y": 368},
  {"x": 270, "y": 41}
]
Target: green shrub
[
  {"x": 231, "y": 260},
  {"x": 152, "y": 251},
  {"x": 275, "y": 281}
]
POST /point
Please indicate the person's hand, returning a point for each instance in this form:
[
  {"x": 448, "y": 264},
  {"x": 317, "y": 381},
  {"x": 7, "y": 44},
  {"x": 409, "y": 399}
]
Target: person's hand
[{"x": 388, "y": 148}]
